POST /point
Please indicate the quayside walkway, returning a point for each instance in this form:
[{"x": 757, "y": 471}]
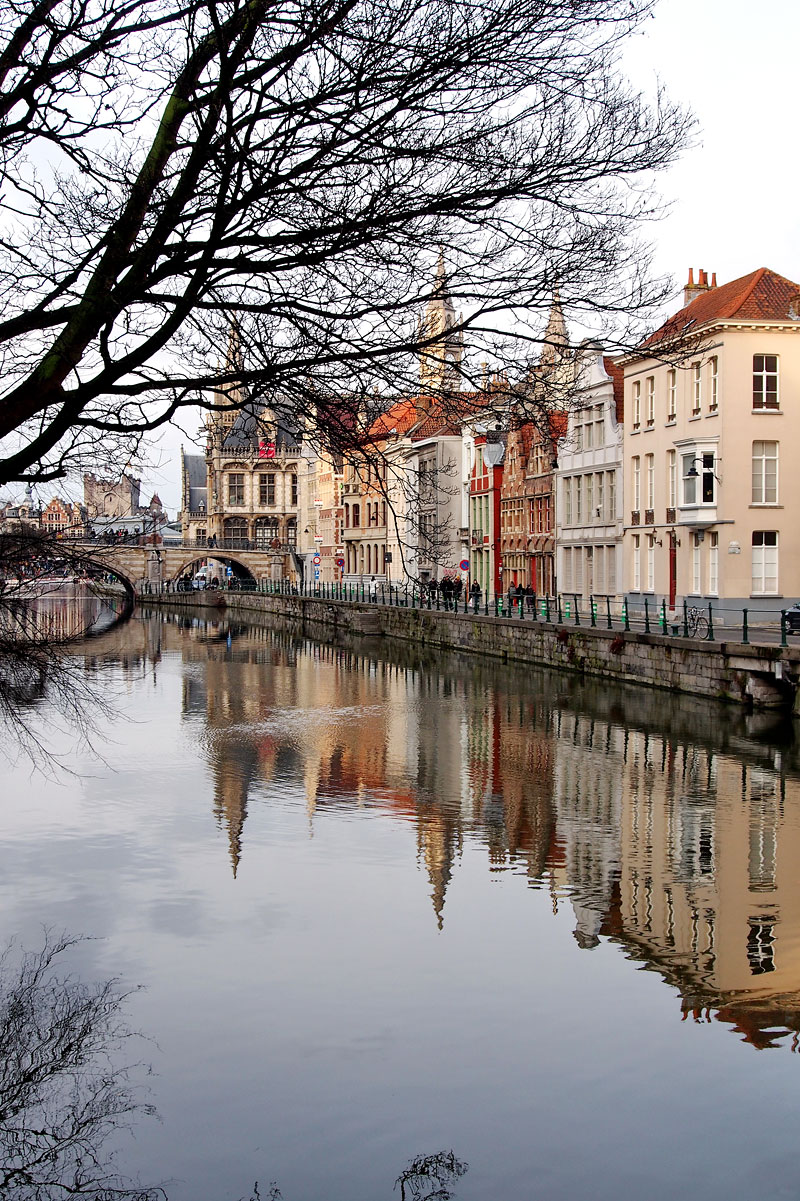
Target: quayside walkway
[{"x": 754, "y": 666}]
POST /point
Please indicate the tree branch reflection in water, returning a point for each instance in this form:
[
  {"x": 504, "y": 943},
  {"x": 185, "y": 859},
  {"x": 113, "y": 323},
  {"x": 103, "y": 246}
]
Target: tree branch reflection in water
[{"x": 64, "y": 1088}]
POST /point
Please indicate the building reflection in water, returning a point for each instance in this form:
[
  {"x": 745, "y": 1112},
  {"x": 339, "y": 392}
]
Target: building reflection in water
[{"x": 671, "y": 828}]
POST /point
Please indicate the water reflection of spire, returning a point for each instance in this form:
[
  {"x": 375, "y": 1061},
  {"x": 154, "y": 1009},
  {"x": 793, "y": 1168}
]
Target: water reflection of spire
[{"x": 437, "y": 842}]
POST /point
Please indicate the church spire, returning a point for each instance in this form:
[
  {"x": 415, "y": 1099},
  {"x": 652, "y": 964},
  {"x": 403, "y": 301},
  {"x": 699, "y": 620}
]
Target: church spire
[
  {"x": 229, "y": 399},
  {"x": 555, "y": 342},
  {"x": 439, "y": 360}
]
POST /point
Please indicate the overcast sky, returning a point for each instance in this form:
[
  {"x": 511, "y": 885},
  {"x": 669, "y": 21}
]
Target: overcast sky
[{"x": 733, "y": 198}]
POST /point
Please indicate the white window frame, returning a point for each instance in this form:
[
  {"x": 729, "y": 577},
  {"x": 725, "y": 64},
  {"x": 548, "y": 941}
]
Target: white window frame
[
  {"x": 637, "y": 483},
  {"x": 672, "y": 479},
  {"x": 762, "y": 374},
  {"x": 697, "y": 388},
  {"x": 651, "y": 401},
  {"x": 568, "y": 501},
  {"x": 651, "y": 563},
  {"x": 713, "y": 564},
  {"x": 761, "y": 476},
  {"x": 672, "y": 395},
  {"x": 764, "y": 563},
  {"x": 700, "y": 490},
  {"x": 637, "y": 404},
  {"x": 696, "y": 566},
  {"x": 713, "y": 400},
  {"x": 637, "y": 563},
  {"x": 650, "y": 481}
]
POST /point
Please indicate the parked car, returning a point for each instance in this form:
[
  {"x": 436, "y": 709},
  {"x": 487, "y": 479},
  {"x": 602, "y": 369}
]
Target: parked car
[{"x": 793, "y": 618}]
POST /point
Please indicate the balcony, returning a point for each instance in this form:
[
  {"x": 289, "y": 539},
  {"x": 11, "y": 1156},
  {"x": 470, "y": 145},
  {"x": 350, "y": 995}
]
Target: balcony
[
  {"x": 671, "y": 517},
  {"x": 635, "y": 516},
  {"x": 649, "y": 517},
  {"x": 282, "y": 453},
  {"x": 476, "y": 538}
]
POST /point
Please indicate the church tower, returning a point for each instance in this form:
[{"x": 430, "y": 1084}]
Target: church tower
[
  {"x": 440, "y": 360},
  {"x": 229, "y": 400},
  {"x": 555, "y": 348}
]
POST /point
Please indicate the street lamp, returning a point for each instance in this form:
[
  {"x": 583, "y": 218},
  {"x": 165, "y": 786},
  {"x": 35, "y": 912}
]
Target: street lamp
[{"x": 693, "y": 473}]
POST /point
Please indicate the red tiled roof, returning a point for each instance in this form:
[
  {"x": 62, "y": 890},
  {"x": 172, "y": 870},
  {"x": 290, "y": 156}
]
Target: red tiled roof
[
  {"x": 763, "y": 295},
  {"x": 443, "y": 418},
  {"x": 400, "y": 417},
  {"x": 618, "y": 376}
]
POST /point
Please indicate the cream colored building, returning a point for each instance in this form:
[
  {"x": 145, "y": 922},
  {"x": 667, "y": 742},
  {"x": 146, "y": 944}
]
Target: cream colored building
[{"x": 711, "y": 423}]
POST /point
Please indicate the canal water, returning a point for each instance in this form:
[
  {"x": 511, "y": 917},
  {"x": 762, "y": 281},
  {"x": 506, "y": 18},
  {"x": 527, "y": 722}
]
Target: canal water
[{"x": 382, "y": 904}]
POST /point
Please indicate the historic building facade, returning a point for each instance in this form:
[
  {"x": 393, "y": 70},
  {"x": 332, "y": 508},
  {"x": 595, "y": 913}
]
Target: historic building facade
[
  {"x": 710, "y": 429},
  {"x": 244, "y": 494},
  {"x": 589, "y": 484}
]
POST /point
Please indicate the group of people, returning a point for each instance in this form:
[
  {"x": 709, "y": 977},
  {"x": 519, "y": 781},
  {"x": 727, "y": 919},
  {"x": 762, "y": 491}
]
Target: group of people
[{"x": 521, "y": 596}]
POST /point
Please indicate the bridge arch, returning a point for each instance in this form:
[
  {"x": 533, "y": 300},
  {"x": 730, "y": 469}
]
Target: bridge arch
[
  {"x": 241, "y": 570},
  {"x": 110, "y": 567}
]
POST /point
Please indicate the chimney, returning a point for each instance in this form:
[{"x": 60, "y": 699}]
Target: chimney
[{"x": 692, "y": 289}]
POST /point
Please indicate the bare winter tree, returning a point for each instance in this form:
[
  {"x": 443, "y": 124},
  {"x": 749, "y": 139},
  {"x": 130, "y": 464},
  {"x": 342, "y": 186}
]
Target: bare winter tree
[{"x": 169, "y": 166}]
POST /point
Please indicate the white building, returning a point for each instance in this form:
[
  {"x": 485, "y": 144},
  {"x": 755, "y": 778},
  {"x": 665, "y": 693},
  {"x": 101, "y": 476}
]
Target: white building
[{"x": 589, "y": 513}]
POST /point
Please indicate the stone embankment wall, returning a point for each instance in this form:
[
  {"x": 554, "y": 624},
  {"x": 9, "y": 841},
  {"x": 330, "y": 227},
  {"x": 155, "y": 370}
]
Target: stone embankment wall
[{"x": 761, "y": 676}]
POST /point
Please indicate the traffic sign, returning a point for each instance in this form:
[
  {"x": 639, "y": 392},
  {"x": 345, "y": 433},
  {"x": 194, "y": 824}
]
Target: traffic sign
[
  {"x": 464, "y": 565},
  {"x": 317, "y": 560},
  {"x": 340, "y": 562}
]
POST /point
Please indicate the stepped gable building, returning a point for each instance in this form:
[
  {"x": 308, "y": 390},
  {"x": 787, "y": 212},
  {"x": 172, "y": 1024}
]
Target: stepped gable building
[
  {"x": 711, "y": 424},
  {"x": 65, "y": 519}
]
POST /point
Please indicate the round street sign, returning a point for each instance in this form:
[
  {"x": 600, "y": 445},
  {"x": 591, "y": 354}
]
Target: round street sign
[
  {"x": 464, "y": 565},
  {"x": 317, "y": 560},
  {"x": 340, "y": 562}
]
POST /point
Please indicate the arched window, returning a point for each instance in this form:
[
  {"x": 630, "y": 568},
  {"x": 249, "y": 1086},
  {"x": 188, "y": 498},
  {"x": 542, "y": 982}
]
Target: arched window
[
  {"x": 235, "y": 532},
  {"x": 266, "y": 531}
]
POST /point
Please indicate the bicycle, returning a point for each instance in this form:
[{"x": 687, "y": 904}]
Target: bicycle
[{"x": 696, "y": 623}]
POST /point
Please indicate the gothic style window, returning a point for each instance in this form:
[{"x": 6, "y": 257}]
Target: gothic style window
[
  {"x": 235, "y": 532},
  {"x": 266, "y": 531}
]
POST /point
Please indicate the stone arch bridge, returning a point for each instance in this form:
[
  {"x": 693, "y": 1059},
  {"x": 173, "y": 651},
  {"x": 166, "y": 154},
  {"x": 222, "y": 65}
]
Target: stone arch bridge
[{"x": 142, "y": 568}]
